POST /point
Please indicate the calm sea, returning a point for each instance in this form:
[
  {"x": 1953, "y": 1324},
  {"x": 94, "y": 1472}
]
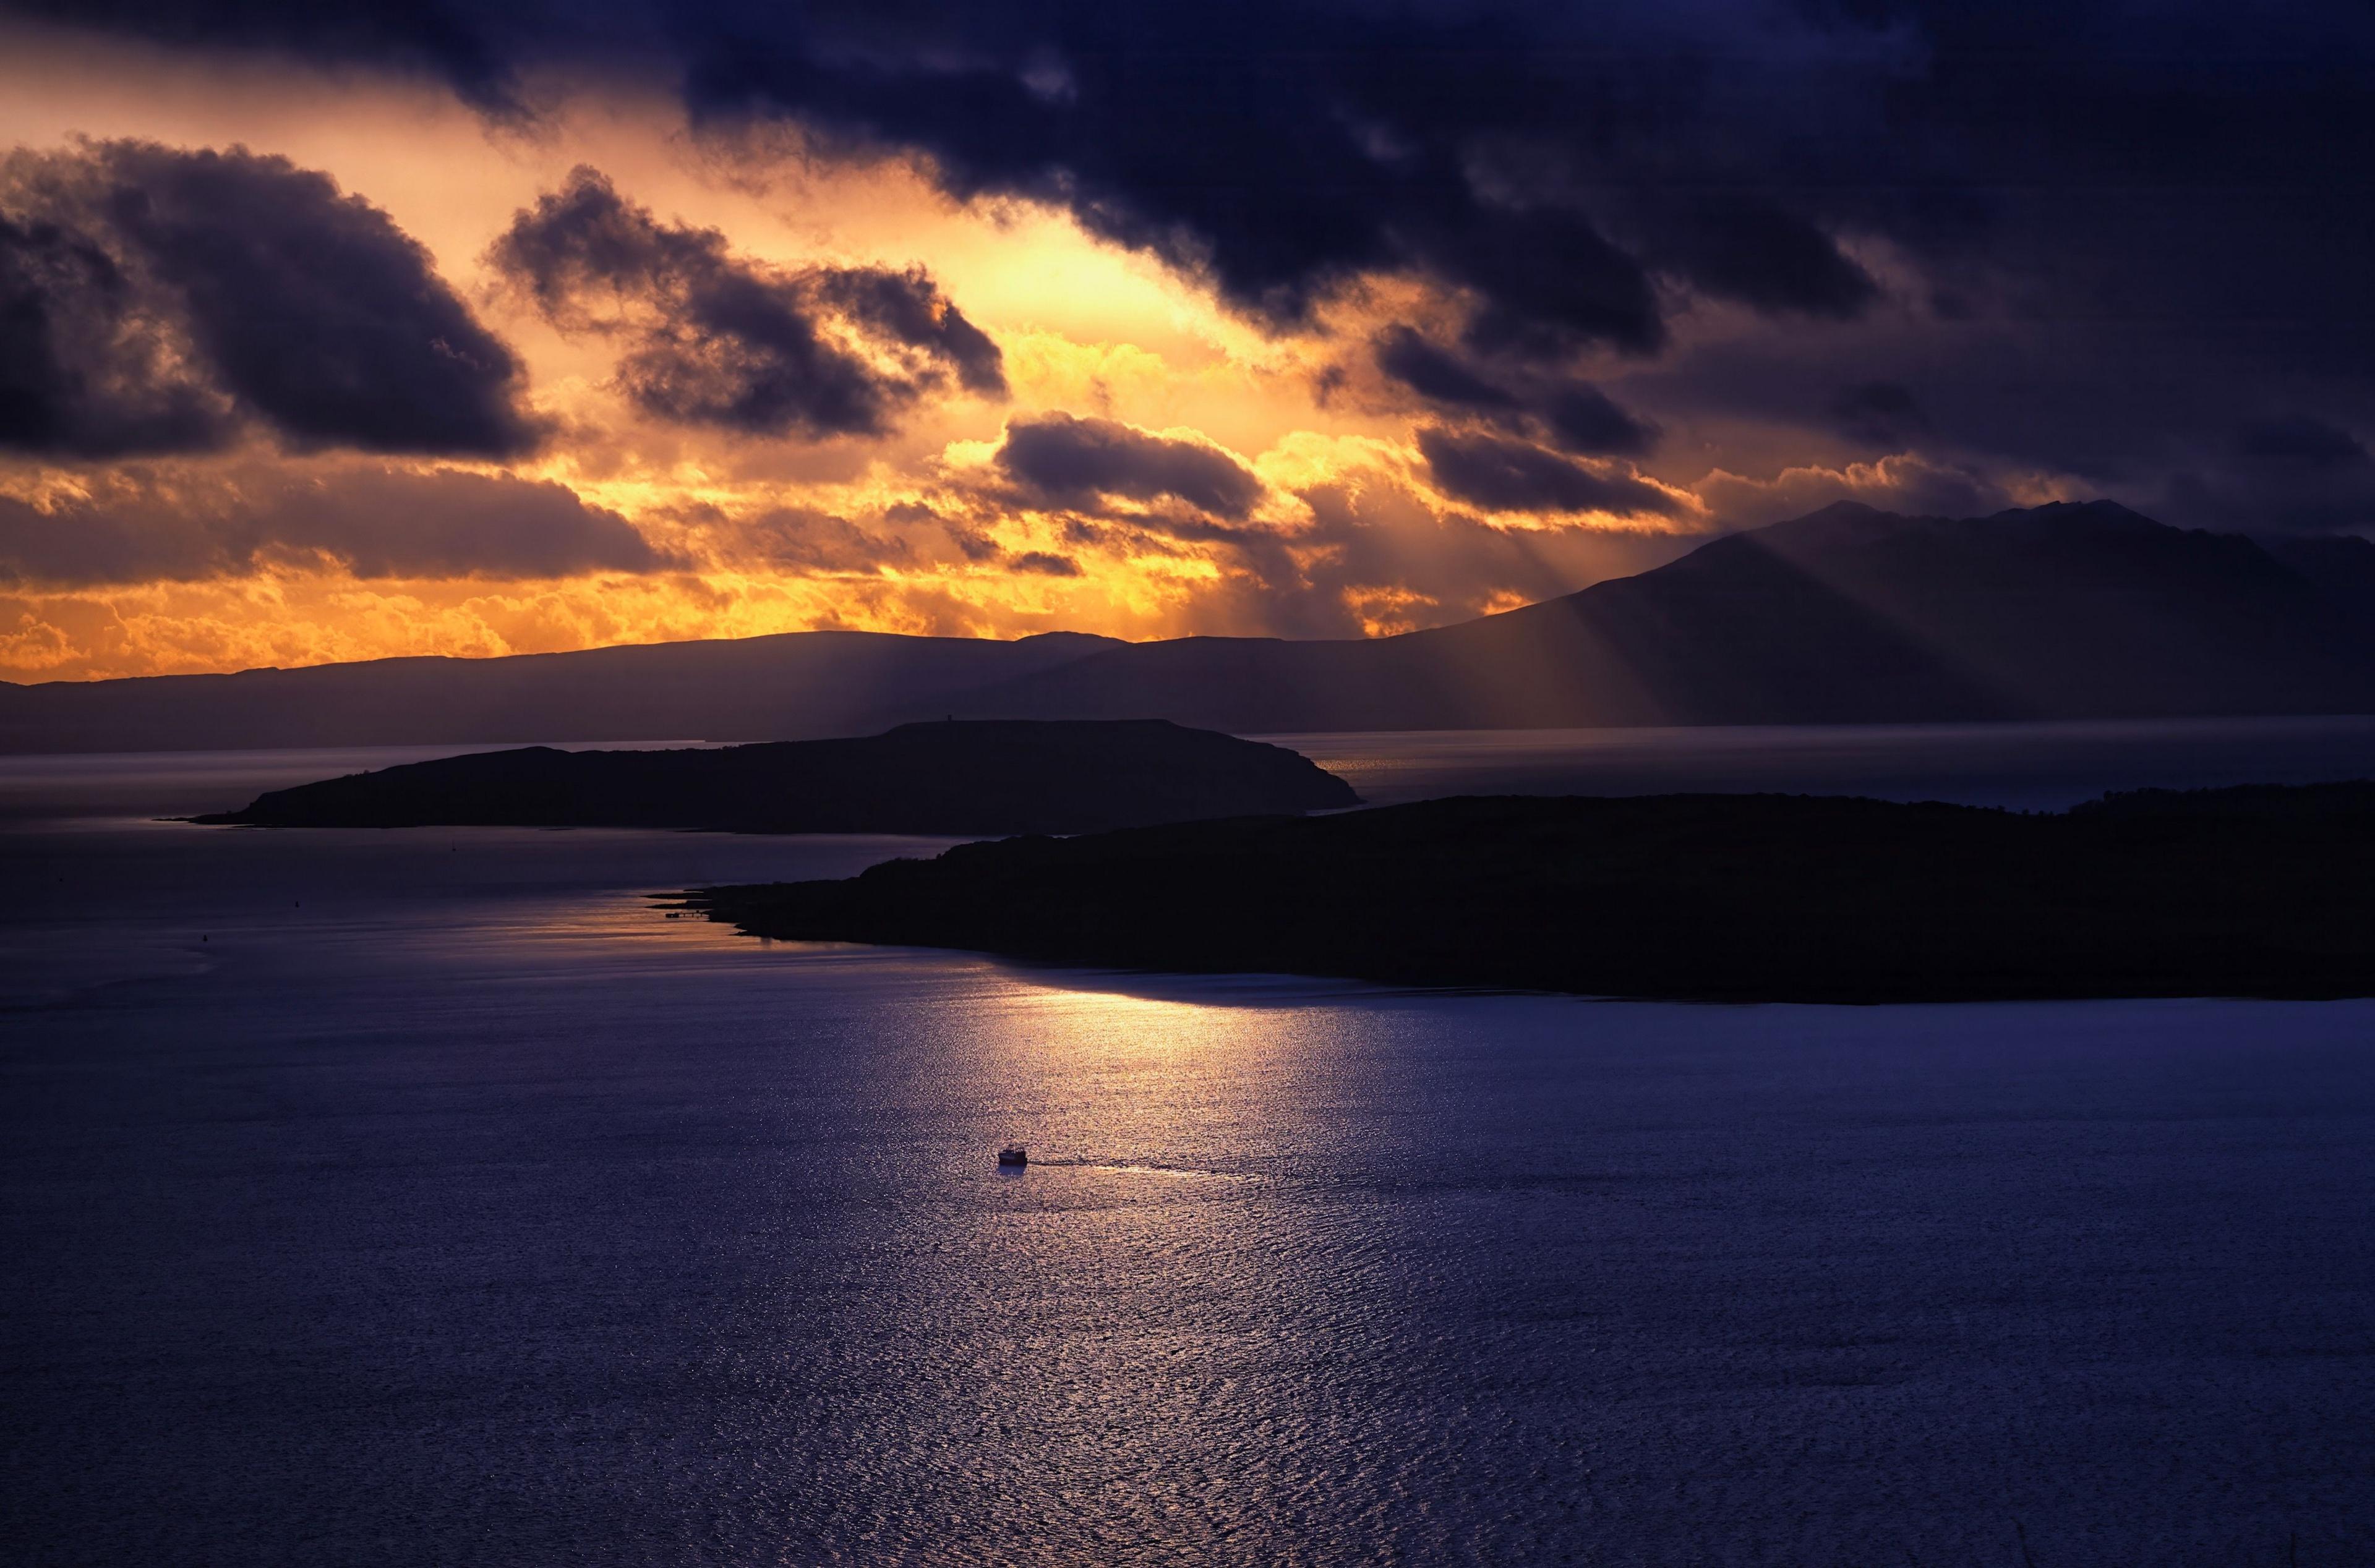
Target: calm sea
[{"x": 427, "y": 1197}]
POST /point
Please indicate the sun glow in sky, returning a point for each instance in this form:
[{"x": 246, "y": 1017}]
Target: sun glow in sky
[
  {"x": 340, "y": 352},
  {"x": 913, "y": 529}
]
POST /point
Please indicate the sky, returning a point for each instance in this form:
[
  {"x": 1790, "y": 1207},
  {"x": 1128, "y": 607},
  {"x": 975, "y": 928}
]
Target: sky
[{"x": 342, "y": 331}]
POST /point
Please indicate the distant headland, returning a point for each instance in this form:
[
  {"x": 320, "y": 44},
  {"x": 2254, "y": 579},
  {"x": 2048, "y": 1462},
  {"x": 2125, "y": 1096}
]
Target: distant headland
[
  {"x": 1007, "y": 776},
  {"x": 2263, "y": 892}
]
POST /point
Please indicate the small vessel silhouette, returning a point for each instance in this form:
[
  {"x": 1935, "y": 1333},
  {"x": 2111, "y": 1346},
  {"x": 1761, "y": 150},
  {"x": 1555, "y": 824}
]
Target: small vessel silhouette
[{"x": 1014, "y": 1154}]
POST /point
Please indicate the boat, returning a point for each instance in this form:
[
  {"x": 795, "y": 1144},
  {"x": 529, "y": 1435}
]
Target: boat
[{"x": 1014, "y": 1154}]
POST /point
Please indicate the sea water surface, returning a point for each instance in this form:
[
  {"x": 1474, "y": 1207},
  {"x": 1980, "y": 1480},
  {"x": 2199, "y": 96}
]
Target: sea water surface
[{"x": 400, "y": 1197}]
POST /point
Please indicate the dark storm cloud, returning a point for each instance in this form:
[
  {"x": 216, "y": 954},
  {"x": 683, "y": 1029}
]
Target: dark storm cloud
[
  {"x": 1509, "y": 476},
  {"x": 1878, "y": 413},
  {"x": 151, "y": 298},
  {"x": 719, "y": 340},
  {"x": 1573, "y": 416},
  {"x": 371, "y": 522},
  {"x": 1279, "y": 145},
  {"x": 2302, "y": 442},
  {"x": 1761, "y": 257},
  {"x": 1439, "y": 375},
  {"x": 84, "y": 372},
  {"x": 1061, "y": 461},
  {"x": 451, "y": 524},
  {"x": 1285, "y": 141},
  {"x": 907, "y": 307},
  {"x": 316, "y": 311},
  {"x": 797, "y": 536},
  {"x": 2096, "y": 236},
  {"x": 2292, "y": 474},
  {"x": 1582, "y": 418},
  {"x": 1045, "y": 564}
]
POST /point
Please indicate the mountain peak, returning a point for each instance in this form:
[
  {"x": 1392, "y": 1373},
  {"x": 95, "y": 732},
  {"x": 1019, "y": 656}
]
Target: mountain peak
[
  {"x": 2097, "y": 512},
  {"x": 1858, "y": 514},
  {"x": 1847, "y": 509}
]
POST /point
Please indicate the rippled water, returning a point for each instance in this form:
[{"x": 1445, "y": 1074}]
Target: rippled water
[{"x": 408, "y": 1197}]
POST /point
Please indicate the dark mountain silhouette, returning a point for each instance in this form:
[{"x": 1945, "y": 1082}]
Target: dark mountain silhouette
[
  {"x": 1013, "y": 776},
  {"x": 2341, "y": 567},
  {"x": 794, "y": 686},
  {"x": 1849, "y": 615},
  {"x": 2258, "y": 891}
]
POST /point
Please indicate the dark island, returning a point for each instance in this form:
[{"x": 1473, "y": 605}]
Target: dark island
[
  {"x": 1007, "y": 777},
  {"x": 2265, "y": 891}
]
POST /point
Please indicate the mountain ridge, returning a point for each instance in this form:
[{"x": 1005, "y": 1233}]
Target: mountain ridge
[{"x": 1847, "y": 615}]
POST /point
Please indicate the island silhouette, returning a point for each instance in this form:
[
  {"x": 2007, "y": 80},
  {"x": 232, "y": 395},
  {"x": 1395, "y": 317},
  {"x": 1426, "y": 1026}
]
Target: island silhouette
[
  {"x": 953, "y": 777},
  {"x": 2263, "y": 892}
]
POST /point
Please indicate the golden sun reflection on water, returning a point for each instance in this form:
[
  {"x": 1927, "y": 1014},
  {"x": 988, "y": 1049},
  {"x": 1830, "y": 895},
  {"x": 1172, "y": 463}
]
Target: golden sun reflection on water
[{"x": 1112, "y": 1026}]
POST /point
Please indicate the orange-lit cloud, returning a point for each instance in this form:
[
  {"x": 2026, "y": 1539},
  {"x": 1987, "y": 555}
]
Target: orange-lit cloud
[
  {"x": 1036, "y": 427},
  {"x": 1488, "y": 301},
  {"x": 1300, "y": 501}
]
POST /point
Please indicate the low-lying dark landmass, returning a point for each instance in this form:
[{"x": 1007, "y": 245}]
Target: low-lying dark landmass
[
  {"x": 1012, "y": 777},
  {"x": 2260, "y": 891}
]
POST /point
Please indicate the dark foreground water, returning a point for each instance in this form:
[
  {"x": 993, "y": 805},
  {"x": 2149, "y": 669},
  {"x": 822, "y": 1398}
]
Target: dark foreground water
[{"x": 428, "y": 1198}]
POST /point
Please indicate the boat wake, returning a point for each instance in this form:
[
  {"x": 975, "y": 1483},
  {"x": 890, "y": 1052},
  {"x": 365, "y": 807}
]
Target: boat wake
[{"x": 1141, "y": 1167}]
